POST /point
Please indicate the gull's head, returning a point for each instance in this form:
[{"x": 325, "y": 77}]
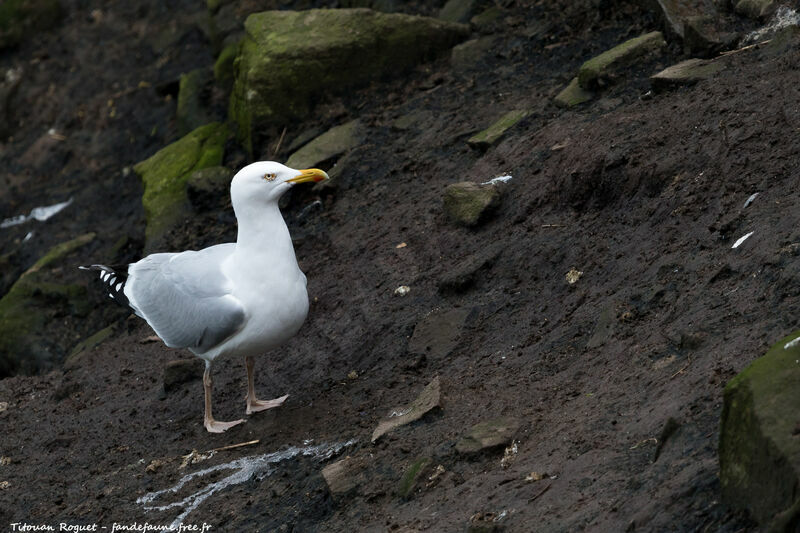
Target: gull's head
[{"x": 266, "y": 181}]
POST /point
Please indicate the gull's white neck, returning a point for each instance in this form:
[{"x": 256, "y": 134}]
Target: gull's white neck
[{"x": 263, "y": 240}]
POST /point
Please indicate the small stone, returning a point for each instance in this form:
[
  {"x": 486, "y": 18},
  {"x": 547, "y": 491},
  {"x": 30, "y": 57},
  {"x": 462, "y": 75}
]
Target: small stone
[
  {"x": 344, "y": 476},
  {"x": 330, "y": 144},
  {"x": 467, "y": 203},
  {"x": 573, "y": 276},
  {"x": 493, "y": 133},
  {"x": 599, "y": 68},
  {"x": 352, "y": 375},
  {"x": 428, "y": 399},
  {"x": 686, "y": 73},
  {"x": 402, "y": 290},
  {"x": 488, "y": 435},
  {"x": 573, "y": 94},
  {"x": 181, "y": 371}
]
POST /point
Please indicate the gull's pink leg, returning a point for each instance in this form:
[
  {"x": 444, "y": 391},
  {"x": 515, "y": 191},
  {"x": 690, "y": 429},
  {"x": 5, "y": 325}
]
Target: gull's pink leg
[
  {"x": 213, "y": 426},
  {"x": 254, "y": 405}
]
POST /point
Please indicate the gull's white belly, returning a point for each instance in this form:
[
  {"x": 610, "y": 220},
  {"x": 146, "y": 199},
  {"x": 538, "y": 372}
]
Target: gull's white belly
[{"x": 274, "y": 313}]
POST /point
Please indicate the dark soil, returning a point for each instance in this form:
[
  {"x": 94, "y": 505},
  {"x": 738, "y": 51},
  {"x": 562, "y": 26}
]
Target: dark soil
[{"x": 644, "y": 196}]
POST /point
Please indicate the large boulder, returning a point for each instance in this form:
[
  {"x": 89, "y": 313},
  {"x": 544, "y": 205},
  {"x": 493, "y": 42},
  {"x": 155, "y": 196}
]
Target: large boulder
[
  {"x": 288, "y": 59},
  {"x": 37, "y": 314},
  {"x": 165, "y": 175},
  {"x": 759, "y": 448}
]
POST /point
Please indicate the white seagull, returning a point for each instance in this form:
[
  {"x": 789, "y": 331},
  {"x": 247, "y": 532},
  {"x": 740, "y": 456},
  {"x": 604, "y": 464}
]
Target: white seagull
[{"x": 239, "y": 298}]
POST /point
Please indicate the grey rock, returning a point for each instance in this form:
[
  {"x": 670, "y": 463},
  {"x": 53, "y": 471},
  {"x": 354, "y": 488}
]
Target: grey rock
[
  {"x": 458, "y": 10},
  {"x": 756, "y": 9},
  {"x": 486, "y": 138},
  {"x": 597, "y": 70},
  {"x": 488, "y": 435},
  {"x": 686, "y": 73},
  {"x": 209, "y": 187},
  {"x": 330, "y": 144},
  {"x": 345, "y": 476},
  {"x": 573, "y": 94},
  {"x": 470, "y": 53}
]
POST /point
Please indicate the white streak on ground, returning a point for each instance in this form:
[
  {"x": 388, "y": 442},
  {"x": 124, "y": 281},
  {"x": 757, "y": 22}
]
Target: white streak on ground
[
  {"x": 245, "y": 468},
  {"x": 741, "y": 240}
]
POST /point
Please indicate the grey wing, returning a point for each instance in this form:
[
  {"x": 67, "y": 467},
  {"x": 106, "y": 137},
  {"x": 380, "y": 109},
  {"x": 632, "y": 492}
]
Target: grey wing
[{"x": 186, "y": 298}]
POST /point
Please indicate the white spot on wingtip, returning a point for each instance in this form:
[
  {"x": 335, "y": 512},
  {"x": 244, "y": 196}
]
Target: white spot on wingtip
[{"x": 119, "y": 286}]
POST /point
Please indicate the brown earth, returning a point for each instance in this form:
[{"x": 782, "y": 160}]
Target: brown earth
[{"x": 644, "y": 196}]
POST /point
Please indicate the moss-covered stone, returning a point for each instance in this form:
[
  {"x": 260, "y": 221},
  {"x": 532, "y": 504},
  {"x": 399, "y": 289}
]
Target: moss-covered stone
[
  {"x": 330, "y": 144},
  {"x": 165, "y": 175},
  {"x": 223, "y": 66},
  {"x": 493, "y": 133},
  {"x": 19, "y": 18},
  {"x": 573, "y": 94},
  {"x": 405, "y": 488},
  {"x": 29, "y": 339},
  {"x": 759, "y": 448},
  {"x": 458, "y": 10},
  {"x": 621, "y": 55},
  {"x": 191, "y": 109},
  {"x": 288, "y": 59},
  {"x": 467, "y": 203},
  {"x": 686, "y": 73},
  {"x": 88, "y": 344}
]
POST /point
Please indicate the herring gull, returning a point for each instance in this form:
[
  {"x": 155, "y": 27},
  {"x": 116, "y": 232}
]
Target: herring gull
[{"x": 239, "y": 298}]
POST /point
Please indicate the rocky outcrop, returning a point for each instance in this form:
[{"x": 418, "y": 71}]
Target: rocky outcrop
[
  {"x": 759, "y": 448},
  {"x": 191, "y": 110},
  {"x": 165, "y": 174},
  {"x": 31, "y": 339},
  {"x": 279, "y": 74}
]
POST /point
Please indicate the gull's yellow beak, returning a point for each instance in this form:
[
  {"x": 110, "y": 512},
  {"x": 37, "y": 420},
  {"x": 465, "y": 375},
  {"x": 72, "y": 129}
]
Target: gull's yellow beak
[{"x": 309, "y": 174}]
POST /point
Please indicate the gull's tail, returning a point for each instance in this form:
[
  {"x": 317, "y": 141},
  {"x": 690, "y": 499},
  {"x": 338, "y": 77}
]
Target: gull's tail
[{"x": 114, "y": 279}]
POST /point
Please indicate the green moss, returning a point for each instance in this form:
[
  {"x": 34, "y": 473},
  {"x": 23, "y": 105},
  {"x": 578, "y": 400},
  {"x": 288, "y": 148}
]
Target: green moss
[
  {"x": 759, "y": 454},
  {"x": 490, "y": 135},
  {"x": 20, "y": 17},
  {"x": 223, "y": 66},
  {"x": 191, "y": 112},
  {"x": 288, "y": 58},
  {"x": 405, "y": 487},
  {"x": 89, "y": 343},
  {"x": 27, "y": 339},
  {"x": 620, "y": 55},
  {"x": 573, "y": 94},
  {"x": 165, "y": 174}
]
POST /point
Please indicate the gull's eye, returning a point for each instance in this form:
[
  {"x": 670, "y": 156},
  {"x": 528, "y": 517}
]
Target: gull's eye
[{"x": 270, "y": 176}]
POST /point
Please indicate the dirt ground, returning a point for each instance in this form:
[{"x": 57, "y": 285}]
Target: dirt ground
[{"x": 616, "y": 379}]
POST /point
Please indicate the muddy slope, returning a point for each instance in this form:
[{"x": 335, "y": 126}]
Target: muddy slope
[{"x": 644, "y": 196}]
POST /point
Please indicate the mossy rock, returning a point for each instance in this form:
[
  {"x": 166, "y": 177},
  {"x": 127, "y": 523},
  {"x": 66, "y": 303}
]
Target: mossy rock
[
  {"x": 493, "y": 133},
  {"x": 32, "y": 334},
  {"x": 759, "y": 448},
  {"x": 192, "y": 111},
  {"x": 288, "y": 59},
  {"x": 165, "y": 174},
  {"x": 468, "y": 203},
  {"x": 599, "y": 67},
  {"x": 19, "y": 18},
  {"x": 223, "y": 66},
  {"x": 573, "y": 94}
]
